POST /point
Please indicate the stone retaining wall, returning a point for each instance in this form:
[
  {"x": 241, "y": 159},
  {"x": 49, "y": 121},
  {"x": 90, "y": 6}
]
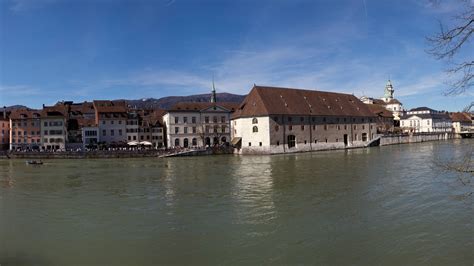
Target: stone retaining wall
[{"x": 414, "y": 138}]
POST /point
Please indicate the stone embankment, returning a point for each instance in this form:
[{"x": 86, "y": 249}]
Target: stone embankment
[
  {"x": 105, "y": 154},
  {"x": 414, "y": 138}
]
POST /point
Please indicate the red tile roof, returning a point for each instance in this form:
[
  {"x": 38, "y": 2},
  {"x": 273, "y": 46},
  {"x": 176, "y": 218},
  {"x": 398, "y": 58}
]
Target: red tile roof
[
  {"x": 25, "y": 114},
  {"x": 264, "y": 101},
  {"x": 199, "y": 106},
  {"x": 461, "y": 117},
  {"x": 380, "y": 110},
  {"x": 110, "y": 106}
]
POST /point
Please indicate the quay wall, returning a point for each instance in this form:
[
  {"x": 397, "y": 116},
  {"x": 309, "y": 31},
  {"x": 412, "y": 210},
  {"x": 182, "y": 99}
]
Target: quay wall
[{"x": 414, "y": 138}]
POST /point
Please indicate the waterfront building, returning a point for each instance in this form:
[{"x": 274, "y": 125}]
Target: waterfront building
[
  {"x": 462, "y": 122},
  {"x": 280, "y": 120},
  {"x": 132, "y": 126},
  {"x": 90, "y": 133},
  {"x": 424, "y": 119},
  {"x": 388, "y": 102},
  {"x": 53, "y": 128},
  {"x": 198, "y": 124},
  {"x": 111, "y": 118},
  {"x": 4, "y": 129},
  {"x": 25, "y": 129}
]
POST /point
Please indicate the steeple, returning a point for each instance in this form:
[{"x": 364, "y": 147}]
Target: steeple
[
  {"x": 213, "y": 95},
  {"x": 389, "y": 90}
]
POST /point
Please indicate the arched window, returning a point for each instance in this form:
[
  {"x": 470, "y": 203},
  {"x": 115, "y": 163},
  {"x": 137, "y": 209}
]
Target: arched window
[
  {"x": 208, "y": 141},
  {"x": 223, "y": 139},
  {"x": 194, "y": 141},
  {"x": 176, "y": 142},
  {"x": 255, "y": 129},
  {"x": 215, "y": 141},
  {"x": 186, "y": 143},
  {"x": 254, "y": 120}
]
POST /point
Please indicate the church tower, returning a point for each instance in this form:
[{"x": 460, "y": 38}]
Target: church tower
[
  {"x": 388, "y": 91},
  {"x": 213, "y": 95}
]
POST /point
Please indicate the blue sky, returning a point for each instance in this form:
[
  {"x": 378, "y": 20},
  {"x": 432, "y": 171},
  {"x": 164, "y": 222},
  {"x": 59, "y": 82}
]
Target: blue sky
[{"x": 53, "y": 50}]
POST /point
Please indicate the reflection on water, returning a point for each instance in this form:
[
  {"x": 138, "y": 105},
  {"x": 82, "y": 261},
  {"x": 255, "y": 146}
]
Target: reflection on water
[{"x": 362, "y": 206}]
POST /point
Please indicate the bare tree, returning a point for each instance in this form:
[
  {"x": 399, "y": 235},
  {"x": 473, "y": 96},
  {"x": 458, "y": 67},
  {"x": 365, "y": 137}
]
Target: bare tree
[{"x": 447, "y": 45}]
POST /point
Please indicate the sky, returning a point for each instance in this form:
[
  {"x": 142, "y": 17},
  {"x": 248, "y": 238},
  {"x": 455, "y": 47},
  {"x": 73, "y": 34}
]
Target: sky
[{"x": 53, "y": 50}]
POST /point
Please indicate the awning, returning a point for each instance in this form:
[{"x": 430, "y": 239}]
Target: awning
[
  {"x": 132, "y": 143},
  {"x": 236, "y": 140},
  {"x": 146, "y": 143}
]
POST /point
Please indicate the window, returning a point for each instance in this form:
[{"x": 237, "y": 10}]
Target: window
[
  {"x": 120, "y": 122},
  {"x": 338, "y": 127},
  {"x": 176, "y": 120},
  {"x": 364, "y": 136},
  {"x": 194, "y": 130},
  {"x": 120, "y": 132},
  {"x": 206, "y": 119},
  {"x": 111, "y": 122},
  {"x": 345, "y": 127},
  {"x": 363, "y": 126},
  {"x": 302, "y": 127},
  {"x": 325, "y": 127},
  {"x": 176, "y": 130},
  {"x": 223, "y": 128},
  {"x": 104, "y": 132},
  {"x": 103, "y": 123},
  {"x": 290, "y": 128},
  {"x": 291, "y": 141},
  {"x": 185, "y": 119},
  {"x": 112, "y": 132},
  {"x": 278, "y": 143},
  {"x": 260, "y": 144},
  {"x": 176, "y": 142},
  {"x": 255, "y": 129},
  {"x": 250, "y": 144},
  {"x": 194, "y": 142},
  {"x": 301, "y": 119},
  {"x": 355, "y": 127},
  {"x": 193, "y": 120},
  {"x": 141, "y": 137},
  {"x": 222, "y": 119},
  {"x": 45, "y": 124},
  {"x": 214, "y": 119},
  {"x": 186, "y": 143},
  {"x": 215, "y": 129},
  {"x": 277, "y": 128},
  {"x": 185, "y": 130},
  {"x": 428, "y": 122}
]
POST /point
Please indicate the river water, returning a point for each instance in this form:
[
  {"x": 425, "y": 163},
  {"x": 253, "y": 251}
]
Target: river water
[{"x": 385, "y": 205}]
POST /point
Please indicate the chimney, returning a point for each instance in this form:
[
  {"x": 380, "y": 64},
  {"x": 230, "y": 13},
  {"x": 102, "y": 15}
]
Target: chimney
[{"x": 4, "y": 112}]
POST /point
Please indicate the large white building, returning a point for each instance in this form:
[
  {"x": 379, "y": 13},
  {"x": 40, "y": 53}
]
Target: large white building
[
  {"x": 424, "y": 119},
  {"x": 284, "y": 120},
  {"x": 198, "y": 124}
]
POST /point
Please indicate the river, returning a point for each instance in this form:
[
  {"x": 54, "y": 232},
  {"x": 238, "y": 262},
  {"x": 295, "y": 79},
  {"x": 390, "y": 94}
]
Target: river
[{"x": 384, "y": 205}]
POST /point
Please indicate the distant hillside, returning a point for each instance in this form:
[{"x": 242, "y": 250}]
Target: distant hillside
[
  {"x": 13, "y": 107},
  {"x": 167, "y": 102}
]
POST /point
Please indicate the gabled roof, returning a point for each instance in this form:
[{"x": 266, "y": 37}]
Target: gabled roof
[
  {"x": 53, "y": 111},
  {"x": 110, "y": 106},
  {"x": 380, "y": 110},
  {"x": 461, "y": 117},
  {"x": 199, "y": 106},
  {"x": 264, "y": 101}
]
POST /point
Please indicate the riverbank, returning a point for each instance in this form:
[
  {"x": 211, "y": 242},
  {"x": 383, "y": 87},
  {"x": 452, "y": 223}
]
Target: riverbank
[
  {"x": 112, "y": 154},
  {"x": 383, "y": 140}
]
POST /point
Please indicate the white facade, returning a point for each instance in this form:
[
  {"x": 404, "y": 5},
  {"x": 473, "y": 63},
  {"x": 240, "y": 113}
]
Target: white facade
[
  {"x": 90, "y": 136},
  {"x": 112, "y": 128},
  {"x": 252, "y": 131},
  {"x": 419, "y": 124},
  {"x": 197, "y": 128},
  {"x": 53, "y": 133}
]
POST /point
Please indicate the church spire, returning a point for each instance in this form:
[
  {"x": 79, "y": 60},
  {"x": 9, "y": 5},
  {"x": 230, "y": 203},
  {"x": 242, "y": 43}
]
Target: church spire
[
  {"x": 389, "y": 90},
  {"x": 213, "y": 95}
]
